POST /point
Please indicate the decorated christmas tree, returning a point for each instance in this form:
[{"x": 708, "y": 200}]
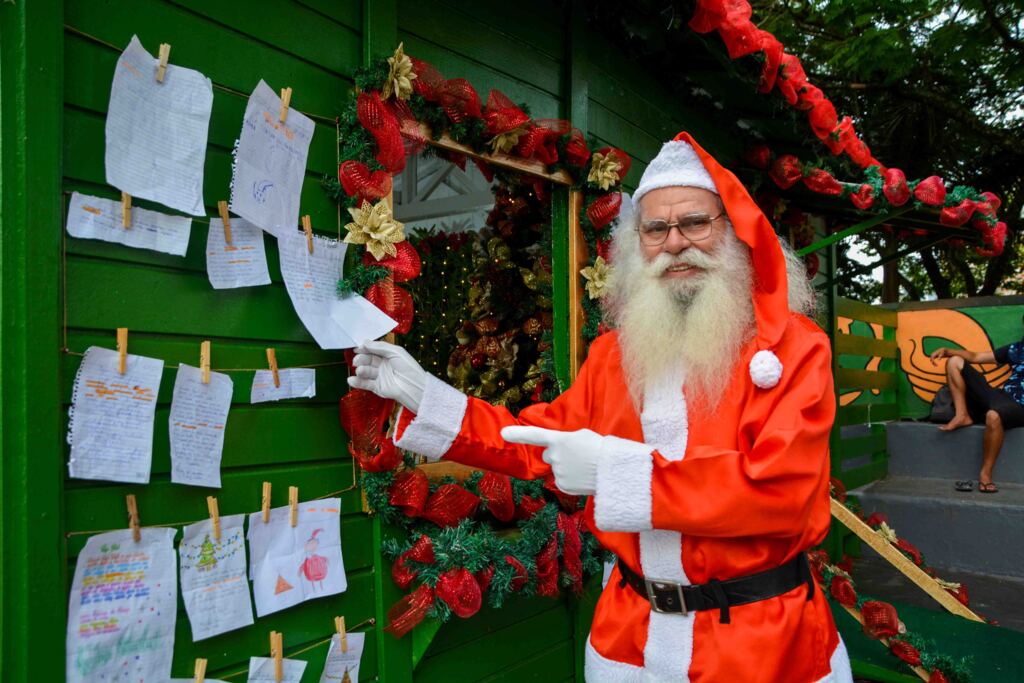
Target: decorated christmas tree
[{"x": 207, "y": 560}]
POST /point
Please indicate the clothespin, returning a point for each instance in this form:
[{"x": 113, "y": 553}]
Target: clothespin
[
  {"x": 276, "y": 647},
  {"x": 133, "y": 517},
  {"x": 307, "y": 227},
  {"x": 266, "y": 502},
  {"x": 211, "y": 505},
  {"x": 161, "y": 68},
  {"x": 122, "y": 349},
  {"x": 272, "y": 361},
  {"x": 126, "y": 210},
  {"x": 286, "y": 98},
  {"x": 225, "y": 218},
  {"x": 200, "y": 676},
  {"x": 204, "y": 361},
  {"x": 339, "y": 623},
  {"x": 293, "y": 504}
]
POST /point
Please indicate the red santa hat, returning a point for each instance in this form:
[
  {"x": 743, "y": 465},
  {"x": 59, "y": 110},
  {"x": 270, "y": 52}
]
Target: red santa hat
[{"x": 683, "y": 163}]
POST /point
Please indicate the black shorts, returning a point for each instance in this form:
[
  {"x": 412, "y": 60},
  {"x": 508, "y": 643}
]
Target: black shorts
[{"x": 983, "y": 397}]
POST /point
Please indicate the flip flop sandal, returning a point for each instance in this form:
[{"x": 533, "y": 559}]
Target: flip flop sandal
[
  {"x": 965, "y": 485},
  {"x": 990, "y": 487}
]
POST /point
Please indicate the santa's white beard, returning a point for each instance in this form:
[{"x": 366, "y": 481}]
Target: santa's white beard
[{"x": 698, "y": 324}]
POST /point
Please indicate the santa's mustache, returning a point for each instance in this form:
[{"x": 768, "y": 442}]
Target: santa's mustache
[{"x": 690, "y": 257}]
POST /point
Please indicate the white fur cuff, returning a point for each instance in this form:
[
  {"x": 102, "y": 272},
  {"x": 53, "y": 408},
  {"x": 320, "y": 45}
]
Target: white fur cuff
[
  {"x": 623, "y": 498},
  {"x": 765, "y": 369},
  {"x": 439, "y": 421}
]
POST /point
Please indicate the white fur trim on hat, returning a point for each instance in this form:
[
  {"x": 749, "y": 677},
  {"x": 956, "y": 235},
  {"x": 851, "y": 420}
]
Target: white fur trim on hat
[
  {"x": 765, "y": 369},
  {"x": 676, "y": 165}
]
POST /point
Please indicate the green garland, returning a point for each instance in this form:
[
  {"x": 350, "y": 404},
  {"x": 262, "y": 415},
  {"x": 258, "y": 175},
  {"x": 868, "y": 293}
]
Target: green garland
[{"x": 360, "y": 278}]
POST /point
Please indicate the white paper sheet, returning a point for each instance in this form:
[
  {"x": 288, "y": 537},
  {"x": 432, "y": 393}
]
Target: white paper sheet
[
  {"x": 243, "y": 263},
  {"x": 292, "y": 565},
  {"x": 341, "y": 663},
  {"x": 270, "y": 163},
  {"x": 199, "y": 415},
  {"x": 312, "y": 284},
  {"x": 122, "y": 608},
  {"x": 96, "y": 218},
  {"x": 156, "y": 132},
  {"x": 261, "y": 670},
  {"x": 213, "y": 581},
  {"x": 111, "y": 417},
  {"x": 193, "y": 680},
  {"x": 295, "y": 383}
]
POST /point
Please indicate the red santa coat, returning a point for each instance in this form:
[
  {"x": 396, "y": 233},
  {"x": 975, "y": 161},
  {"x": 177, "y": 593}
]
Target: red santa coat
[{"x": 686, "y": 499}]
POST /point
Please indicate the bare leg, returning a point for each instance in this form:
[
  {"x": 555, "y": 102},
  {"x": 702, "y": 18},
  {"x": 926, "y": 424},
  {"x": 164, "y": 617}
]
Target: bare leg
[
  {"x": 958, "y": 389},
  {"x": 992, "y": 443}
]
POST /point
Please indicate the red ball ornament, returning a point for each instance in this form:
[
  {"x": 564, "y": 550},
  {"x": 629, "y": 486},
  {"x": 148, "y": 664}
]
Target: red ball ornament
[
  {"x": 460, "y": 591},
  {"x": 895, "y": 187},
  {"x": 931, "y": 191},
  {"x": 478, "y": 361}
]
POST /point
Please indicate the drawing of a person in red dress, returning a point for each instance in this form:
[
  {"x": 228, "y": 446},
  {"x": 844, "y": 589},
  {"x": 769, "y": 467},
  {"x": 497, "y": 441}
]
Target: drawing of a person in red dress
[{"x": 314, "y": 567}]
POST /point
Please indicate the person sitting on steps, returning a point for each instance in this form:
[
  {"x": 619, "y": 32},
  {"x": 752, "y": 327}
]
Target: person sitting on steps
[{"x": 975, "y": 399}]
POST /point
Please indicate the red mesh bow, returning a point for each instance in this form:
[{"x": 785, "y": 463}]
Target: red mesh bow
[
  {"x": 408, "y": 612},
  {"x": 380, "y": 121},
  {"x": 485, "y": 169},
  {"x": 569, "y": 526},
  {"x": 908, "y": 547},
  {"x": 460, "y": 591},
  {"x": 501, "y": 115},
  {"x": 876, "y": 519},
  {"x": 459, "y": 100},
  {"x": 994, "y": 239},
  {"x": 541, "y": 140},
  {"x": 708, "y": 15},
  {"x": 838, "y": 489},
  {"x": 521, "y": 577},
  {"x": 880, "y": 619},
  {"x": 393, "y": 300},
  {"x": 786, "y": 171},
  {"x": 905, "y": 651},
  {"x": 357, "y": 181},
  {"x": 428, "y": 82},
  {"x": 758, "y": 156},
  {"x": 823, "y": 118},
  {"x": 821, "y": 181},
  {"x": 931, "y": 191},
  {"x": 864, "y": 197},
  {"x": 409, "y": 492},
  {"x": 895, "y": 187},
  {"x": 773, "y": 51},
  {"x": 604, "y": 209},
  {"x": 404, "y": 266},
  {"x": 791, "y": 78},
  {"x": 449, "y": 505},
  {"x": 937, "y": 677},
  {"x": 576, "y": 151},
  {"x": 364, "y": 418},
  {"x": 484, "y": 576},
  {"x": 842, "y": 590},
  {"x": 402, "y": 574},
  {"x": 955, "y": 216},
  {"x": 421, "y": 551},
  {"x": 528, "y": 507},
  {"x": 497, "y": 490},
  {"x": 547, "y": 568}
]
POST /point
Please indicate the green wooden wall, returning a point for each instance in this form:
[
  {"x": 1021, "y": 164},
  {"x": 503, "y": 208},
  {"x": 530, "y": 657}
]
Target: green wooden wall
[{"x": 56, "y": 64}]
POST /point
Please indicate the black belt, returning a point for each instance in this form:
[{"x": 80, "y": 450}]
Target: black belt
[{"x": 676, "y": 598}]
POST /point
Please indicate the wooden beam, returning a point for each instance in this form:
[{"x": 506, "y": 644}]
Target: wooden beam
[{"x": 577, "y": 260}]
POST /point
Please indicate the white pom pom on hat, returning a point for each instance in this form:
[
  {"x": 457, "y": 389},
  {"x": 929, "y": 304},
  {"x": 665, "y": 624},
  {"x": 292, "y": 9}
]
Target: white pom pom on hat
[{"x": 765, "y": 369}]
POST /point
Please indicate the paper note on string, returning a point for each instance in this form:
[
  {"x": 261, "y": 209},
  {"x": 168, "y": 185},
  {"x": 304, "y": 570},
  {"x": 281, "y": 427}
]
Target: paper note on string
[
  {"x": 295, "y": 383},
  {"x": 156, "y": 132},
  {"x": 343, "y": 667},
  {"x": 289, "y": 564},
  {"x": 213, "y": 582},
  {"x": 111, "y": 417},
  {"x": 312, "y": 283},
  {"x": 243, "y": 263},
  {"x": 96, "y": 218},
  {"x": 122, "y": 608},
  {"x": 199, "y": 415},
  {"x": 261, "y": 670},
  {"x": 270, "y": 163}
]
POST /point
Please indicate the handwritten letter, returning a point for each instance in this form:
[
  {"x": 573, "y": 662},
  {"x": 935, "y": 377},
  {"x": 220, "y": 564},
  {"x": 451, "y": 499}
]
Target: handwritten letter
[
  {"x": 199, "y": 414},
  {"x": 243, "y": 263},
  {"x": 156, "y": 132},
  {"x": 270, "y": 162},
  {"x": 111, "y": 417},
  {"x": 213, "y": 583},
  {"x": 261, "y": 670},
  {"x": 343, "y": 667},
  {"x": 122, "y": 609},
  {"x": 295, "y": 383},
  {"x": 96, "y": 218}
]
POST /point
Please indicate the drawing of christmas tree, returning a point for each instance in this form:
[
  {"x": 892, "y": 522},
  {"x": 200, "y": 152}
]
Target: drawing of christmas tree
[{"x": 206, "y": 559}]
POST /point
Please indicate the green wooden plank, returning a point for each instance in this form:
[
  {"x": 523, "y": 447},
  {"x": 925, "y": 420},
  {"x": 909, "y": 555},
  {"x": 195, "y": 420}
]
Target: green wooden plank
[
  {"x": 854, "y": 345},
  {"x": 862, "y": 413},
  {"x": 544, "y": 36},
  {"x": 848, "y": 308},
  {"x": 394, "y": 655},
  {"x": 850, "y": 378},
  {"x": 550, "y": 665},
  {"x": 345, "y": 12},
  {"x": 458, "y": 633},
  {"x": 560, "y": 274},
  {"x": 873, "y": 471},
  {"x": 862, "y": 445}
]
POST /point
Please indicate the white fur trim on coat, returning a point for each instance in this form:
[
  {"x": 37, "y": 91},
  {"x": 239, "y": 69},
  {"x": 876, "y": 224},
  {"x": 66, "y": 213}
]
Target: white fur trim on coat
[
  {"x": 435, "y": 427},
  {"x": 677, "y": 165},
  {"x": 600, "y": 669},
  {"x": 765, "y": 369},
  {"x": 623, "y": 498}
]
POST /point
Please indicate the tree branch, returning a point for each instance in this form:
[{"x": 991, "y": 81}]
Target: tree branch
[
  {"x": 1000, "y": 28},
  {"x": 940, "y": 283}
]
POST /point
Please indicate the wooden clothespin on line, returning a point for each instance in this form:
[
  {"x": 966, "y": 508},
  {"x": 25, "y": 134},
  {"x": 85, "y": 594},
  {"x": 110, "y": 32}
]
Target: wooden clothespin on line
[
  {"x": 122, "y": 350},
  {"x": 225, "y": 218},
  {"x": 266, "y": 502},
  {"x": 293, "y": 505},
  {"x": 161, "y": 67},
  {"x": 211, "y": 505},
  {"x": 272, "y": 362},
  {"x": 200, "y": 676},
  {"x": 307, "y": 227},
  {"x": 204, "y": 361},
  {"x": 286, "y": 100},
  {"x": 133, "y": 517},
  {"x": 339, "y": 624},
  {"x": 126, "y": 210},
  {"x": 276, "y": 647}
]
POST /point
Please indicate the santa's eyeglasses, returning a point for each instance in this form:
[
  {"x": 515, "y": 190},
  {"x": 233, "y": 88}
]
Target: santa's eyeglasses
[{"x": 694, "y": 227}]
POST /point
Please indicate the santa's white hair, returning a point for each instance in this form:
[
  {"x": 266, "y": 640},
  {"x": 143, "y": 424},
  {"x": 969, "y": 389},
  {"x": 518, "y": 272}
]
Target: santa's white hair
[{"x": 698, "y": 325}]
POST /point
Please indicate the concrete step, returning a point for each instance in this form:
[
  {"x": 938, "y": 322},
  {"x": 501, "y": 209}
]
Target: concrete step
[
  {"x": 975, "y": 532},
  {"x": 918, "y": 449}
]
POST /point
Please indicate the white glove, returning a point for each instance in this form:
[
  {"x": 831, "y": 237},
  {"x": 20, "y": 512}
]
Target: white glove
[
  {"x": 390, "y": 372},
  {"x": 573, "y": 456}
]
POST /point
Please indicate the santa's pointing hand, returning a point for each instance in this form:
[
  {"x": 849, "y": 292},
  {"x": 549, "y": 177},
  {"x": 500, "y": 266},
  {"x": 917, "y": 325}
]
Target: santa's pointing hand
[{"x": 573, "y": 456}]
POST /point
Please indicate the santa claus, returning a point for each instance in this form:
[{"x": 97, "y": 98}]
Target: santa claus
[{"x": 699, "y": 428}]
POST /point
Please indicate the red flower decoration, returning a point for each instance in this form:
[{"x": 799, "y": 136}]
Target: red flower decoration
[
  {"x": 895, "y": 187},
  {"x": 931, "y": 191},
  {"x": 460, "y": 591},
  {"x": 786, "y": 171},
  {"x": 821, "y": 181}
]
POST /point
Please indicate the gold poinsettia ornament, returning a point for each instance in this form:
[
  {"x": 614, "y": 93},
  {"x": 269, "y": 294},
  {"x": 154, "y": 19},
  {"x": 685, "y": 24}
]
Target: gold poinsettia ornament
[
  {"x": 374, "y": 226},
  {"x": 506, "y": 142},
  {"x": 400, "y": 75},
  {"x": 604, "y": 170},
  {"x": 597, "y": 278},
  {"x": 887, "y": 532}
]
